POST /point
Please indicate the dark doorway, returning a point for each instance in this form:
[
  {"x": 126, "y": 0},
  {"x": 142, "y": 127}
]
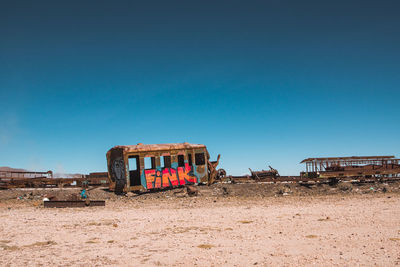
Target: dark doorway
[{"x": 134, "y": 170}]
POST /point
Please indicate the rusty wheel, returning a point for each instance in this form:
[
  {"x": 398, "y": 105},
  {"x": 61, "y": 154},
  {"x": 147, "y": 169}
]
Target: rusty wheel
[{"x": 221, "y": 173}]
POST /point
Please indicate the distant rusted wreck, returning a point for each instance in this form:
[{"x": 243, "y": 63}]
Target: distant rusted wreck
[
  {"x": 352, "y": 167},
  {"x": 33, "y": 179},
  {"x": 144, "y": 167},
  {"x": 264, "y": 174}
]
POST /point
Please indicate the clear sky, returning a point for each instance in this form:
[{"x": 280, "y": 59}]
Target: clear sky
[{"x": 261, "y": 82}]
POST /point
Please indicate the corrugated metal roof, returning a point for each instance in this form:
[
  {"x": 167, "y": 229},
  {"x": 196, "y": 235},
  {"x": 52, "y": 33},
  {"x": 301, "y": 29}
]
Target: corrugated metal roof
[
  {"x": 158, "y": 147},
  {"x": 348, "y": 158}
]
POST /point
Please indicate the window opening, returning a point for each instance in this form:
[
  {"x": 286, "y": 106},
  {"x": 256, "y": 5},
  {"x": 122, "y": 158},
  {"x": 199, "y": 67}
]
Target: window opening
[
  {"x": 190, "y": 159},
  {"x": 181, "y": 161},
  {"x": 200, "y": 159},
  {"x": 134, "y": 170},
  {"x": 132, "y": 163},
  {"x": 162, "y": 165},
  {"x": 167, "y": 161},
  {"x": 149, "y": 163}
]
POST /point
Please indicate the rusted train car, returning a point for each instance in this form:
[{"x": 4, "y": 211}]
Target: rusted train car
[
  {"x": 144, "y": 167},
  {"x": 352, "y": 167}
]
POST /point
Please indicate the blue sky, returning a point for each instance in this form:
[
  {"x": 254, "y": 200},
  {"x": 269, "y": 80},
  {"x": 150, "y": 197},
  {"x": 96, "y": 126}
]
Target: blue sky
[{"x": 260, "y": 82}]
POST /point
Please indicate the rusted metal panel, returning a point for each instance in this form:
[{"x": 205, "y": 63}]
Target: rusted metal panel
[
  {"x": 97, "y": 179},
  {"x": 159, "y": 147},
  {"x": 73, "y": 203}
]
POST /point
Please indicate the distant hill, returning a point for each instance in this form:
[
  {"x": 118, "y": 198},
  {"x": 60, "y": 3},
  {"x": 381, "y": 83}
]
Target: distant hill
[
  {"x": 55, "y": 175},
  {"x": 9, "y": 169}
]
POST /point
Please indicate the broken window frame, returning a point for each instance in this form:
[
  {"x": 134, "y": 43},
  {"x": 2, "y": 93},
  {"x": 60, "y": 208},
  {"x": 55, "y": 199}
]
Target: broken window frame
[
  {"x": 167, "y": 161},
  {"x": 181, "y": 160},
  {"x": 200, "y": 159}
]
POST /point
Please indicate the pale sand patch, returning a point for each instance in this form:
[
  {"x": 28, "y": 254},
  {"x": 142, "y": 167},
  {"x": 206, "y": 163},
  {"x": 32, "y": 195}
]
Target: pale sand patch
[{"x": 293, "y": 231}]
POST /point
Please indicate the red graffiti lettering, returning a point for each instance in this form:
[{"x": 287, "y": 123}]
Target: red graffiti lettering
[
  {"x": 184, "y": 175},
  {"x": 169, "y": 177}
]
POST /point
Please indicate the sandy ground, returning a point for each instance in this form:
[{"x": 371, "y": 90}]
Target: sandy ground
[{"x": 351, "y": 230}]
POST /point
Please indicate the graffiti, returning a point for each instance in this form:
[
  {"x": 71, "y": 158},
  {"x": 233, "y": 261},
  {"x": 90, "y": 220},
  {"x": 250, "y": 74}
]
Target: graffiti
[
  {"x": 118, "y": 169},
  {"x": 169, "y": 177}
]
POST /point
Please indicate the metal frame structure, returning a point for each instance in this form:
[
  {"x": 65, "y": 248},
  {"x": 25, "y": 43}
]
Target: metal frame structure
[
  {"x": 25, "y": 174},
  {"x": 28, "y": 179},
  {"x": 356, "y": 167}
]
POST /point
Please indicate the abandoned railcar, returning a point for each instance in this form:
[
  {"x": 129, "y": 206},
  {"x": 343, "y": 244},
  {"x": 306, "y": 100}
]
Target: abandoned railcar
[
  {"x": 143, "y": 167},
  {"x": 352, "y": 167}
]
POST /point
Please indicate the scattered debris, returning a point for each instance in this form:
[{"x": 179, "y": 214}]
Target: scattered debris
[
  {"x": 245, "y": 222},
  {"x": 191, "y": 190},
  {"x": 324, "y": 219},
  {"x": 284, "y": 190},
  {"x": 206, "y": 246},
  {"x": 225, "y": 191},
  {"x": 130, "y": 194}
]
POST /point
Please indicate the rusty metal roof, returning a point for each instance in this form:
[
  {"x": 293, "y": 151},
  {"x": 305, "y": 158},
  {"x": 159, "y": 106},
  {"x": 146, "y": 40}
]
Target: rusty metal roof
[
  {"x": 348, "y": 158},
  {"x": 158, "y": 147}
]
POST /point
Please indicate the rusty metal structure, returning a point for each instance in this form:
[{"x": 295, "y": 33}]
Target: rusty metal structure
[
  {"x": 73, "y": 203},
  {"x": 28, "y": 179},
  {"x": 144, "y": 167},
  {"x": 7, "y": 183},
  {"x": 369, "y": 167},
  {"x": 264, "y": 174},
  {"x": 332, "y": 170},
  {"x": 25, "y": 174},
  {"x": 96, "y": 179}
]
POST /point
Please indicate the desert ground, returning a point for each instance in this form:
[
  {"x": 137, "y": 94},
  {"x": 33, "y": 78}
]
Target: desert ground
[{"x": 263, "y": 225}]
